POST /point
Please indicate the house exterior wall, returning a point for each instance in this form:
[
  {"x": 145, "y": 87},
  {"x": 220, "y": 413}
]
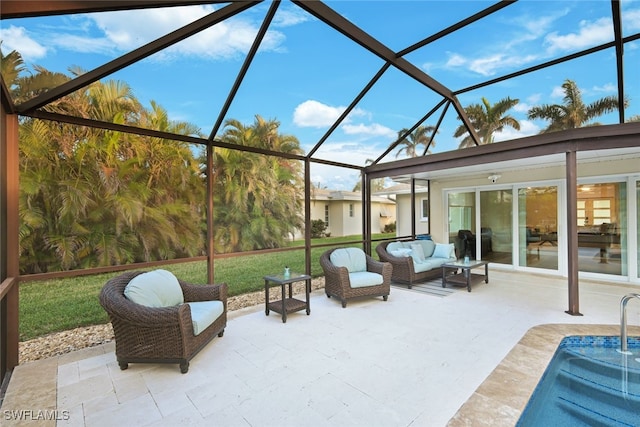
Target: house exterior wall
[
  {"x": 341, "y": 223},
  {"x": 439, "y": 220},
  {"x": 601, "y": 172},
  {"x": 403, "y": 212},
  {"x": 382, "y": 214}
]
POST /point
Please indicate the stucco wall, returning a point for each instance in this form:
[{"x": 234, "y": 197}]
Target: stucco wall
[
  {"x": 403, "y": 213},
  {"x": 509, "y": 178}
]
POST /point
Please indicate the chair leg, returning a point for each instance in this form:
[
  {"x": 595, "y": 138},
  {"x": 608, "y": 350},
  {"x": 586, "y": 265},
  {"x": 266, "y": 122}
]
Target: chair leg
[
  {"x": 385, "y": 297},
  {"x": 344, "y": 303},
  {"x": 221, "y": 333},
  {"x": 184, "y": 366},
  {"x": 123, "y": 365}
]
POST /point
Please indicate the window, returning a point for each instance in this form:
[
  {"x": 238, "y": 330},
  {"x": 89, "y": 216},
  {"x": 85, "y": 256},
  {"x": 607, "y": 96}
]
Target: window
[
  {"x": 594, "y": 212},
  {"x": 351, "y": 210},
  {"x": 326, "y": 215},
  {"x": 424, "y": 209}
]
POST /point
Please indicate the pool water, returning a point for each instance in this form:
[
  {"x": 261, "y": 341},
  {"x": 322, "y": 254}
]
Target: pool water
[{"x": 588, "y": 383}]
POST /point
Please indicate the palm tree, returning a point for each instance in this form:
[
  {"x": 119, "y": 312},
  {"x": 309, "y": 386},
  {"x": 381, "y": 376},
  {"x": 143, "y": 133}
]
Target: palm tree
[
  {"x": 376, "y": 184},
  {"x": 92, "y": 197},
  {"x": 419, "y": 136},
  {"x": 257, "y": 197},
  {"x": 573, "y": 113},
  {"x": 487, "y": 119}
]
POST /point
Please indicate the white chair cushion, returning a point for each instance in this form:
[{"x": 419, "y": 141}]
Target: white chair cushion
[
  {"x": 204, "y": 313},
  {"x": 157, "y": 288},
  {"x": 362, "y": 279},
  {"x": 353, "y": 259}
]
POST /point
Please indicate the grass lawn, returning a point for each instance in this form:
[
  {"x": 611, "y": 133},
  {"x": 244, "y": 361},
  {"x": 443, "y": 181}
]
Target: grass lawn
[{"x": 61, "y": 304}]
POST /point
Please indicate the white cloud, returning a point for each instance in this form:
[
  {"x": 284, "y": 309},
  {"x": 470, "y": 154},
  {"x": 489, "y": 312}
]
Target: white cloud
[
  {"x": 126, "y": 30},
  {"x": 528, "y": 103},
  {"x": 534, "y": 99},
  {"x": 606, "y": 88},
  {"x": 455, "y": 60},
  {"x": 82, "y": 44},
  {"x": 557, "y": 92},
  {"x": 521, "y": 107},
  {"x": 226, "y": 39},
  {"x": 373, "y": 129},
  {"x": 631, "y": 20},
  {"x": 589, "y": 34},
  {"x": 289, "y": 17},
  {"x": 16, "y": 38},
  {"x": 316, "y": 114},
  {"x": 490, "y": 65},
  {"x": 325, "y": 176},
  {"x": 527, "y": 128}
]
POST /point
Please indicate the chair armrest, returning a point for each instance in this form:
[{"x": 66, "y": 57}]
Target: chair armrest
[
  {"x": 149, "y": 317},
  {"x": 193, "y": 293},
  {"x": 374, "y": 265}
]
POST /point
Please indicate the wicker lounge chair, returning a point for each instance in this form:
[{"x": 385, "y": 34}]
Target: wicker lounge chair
[
  {"x": 146, "y": 334},
  {"x": 344, "y": 284}
]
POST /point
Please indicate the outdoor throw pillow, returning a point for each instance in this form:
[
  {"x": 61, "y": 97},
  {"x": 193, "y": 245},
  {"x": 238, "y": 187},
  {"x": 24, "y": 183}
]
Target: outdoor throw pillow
[
  {"x": 443, "y": 250},
  {"x": 401, "y": 253},
  {"x": 416, "y": 252}
]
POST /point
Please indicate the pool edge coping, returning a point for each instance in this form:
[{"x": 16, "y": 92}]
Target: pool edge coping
[{"x": 500, "y": 399}]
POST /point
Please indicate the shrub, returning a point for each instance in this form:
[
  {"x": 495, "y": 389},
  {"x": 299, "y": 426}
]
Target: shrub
[
  {"x": 390, "y": 228},
  {"x": 318, "y": 228}
]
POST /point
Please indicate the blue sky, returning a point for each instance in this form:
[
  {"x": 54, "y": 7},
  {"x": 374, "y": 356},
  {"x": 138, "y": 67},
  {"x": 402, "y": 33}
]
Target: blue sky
[{"x": 306, "y": 73}]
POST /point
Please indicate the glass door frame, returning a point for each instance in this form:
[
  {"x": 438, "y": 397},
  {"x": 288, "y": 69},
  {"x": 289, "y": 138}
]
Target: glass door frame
[{"x": 560, "y": 221}]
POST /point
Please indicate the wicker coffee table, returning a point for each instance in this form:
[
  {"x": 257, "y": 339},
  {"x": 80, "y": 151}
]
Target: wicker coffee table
[
  {"x": 286, "y": 305},
  {"x": 465, "y": 277}
]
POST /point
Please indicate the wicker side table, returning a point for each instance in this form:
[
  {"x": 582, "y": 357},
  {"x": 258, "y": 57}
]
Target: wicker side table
[{"x": 286, "y": 304}]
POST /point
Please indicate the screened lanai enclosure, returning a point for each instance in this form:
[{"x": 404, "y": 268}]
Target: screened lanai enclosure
[{"x": 481, "y": 111}]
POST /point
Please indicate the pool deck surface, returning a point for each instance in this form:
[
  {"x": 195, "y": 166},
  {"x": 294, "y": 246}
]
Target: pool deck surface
[{"x": 464, "y": 359}]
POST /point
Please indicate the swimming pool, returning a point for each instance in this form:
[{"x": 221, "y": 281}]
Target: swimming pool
[{"x": 588, "y": 382}]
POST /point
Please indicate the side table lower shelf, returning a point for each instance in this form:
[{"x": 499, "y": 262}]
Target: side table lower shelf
[
  {"x": 460, "y": 279},
  {"x": 465, "y": 277},
  {"x": 288, "y": 305}
]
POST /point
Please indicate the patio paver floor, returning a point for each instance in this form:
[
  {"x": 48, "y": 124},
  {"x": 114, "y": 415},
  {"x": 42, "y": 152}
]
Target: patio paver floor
[{"x": 411, "y": 361}]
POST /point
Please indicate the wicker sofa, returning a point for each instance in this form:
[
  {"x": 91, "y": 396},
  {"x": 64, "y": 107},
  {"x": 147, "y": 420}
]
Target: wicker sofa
[
  {"x": 351, "y": 273},
  {"x": 152, "y": 331},
  {"x": 411, "y": 266}
]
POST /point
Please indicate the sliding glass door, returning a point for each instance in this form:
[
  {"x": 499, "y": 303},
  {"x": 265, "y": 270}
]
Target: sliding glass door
[
  {"x": 496, "y": 213},
  {"x": 538, "y": 227},
  {"x": 602, "y": 228},
  {"x": 462, "y": 222}
]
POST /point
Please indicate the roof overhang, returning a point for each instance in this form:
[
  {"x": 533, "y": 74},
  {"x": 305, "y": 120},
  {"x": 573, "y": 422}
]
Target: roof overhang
[{"x": 594, "y": 143}]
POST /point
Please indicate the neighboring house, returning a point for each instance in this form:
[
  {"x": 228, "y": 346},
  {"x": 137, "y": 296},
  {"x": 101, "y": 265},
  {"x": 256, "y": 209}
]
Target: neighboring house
[
  {"x": 401, "y": 193},
  {"x": 342, "y": 211}
]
